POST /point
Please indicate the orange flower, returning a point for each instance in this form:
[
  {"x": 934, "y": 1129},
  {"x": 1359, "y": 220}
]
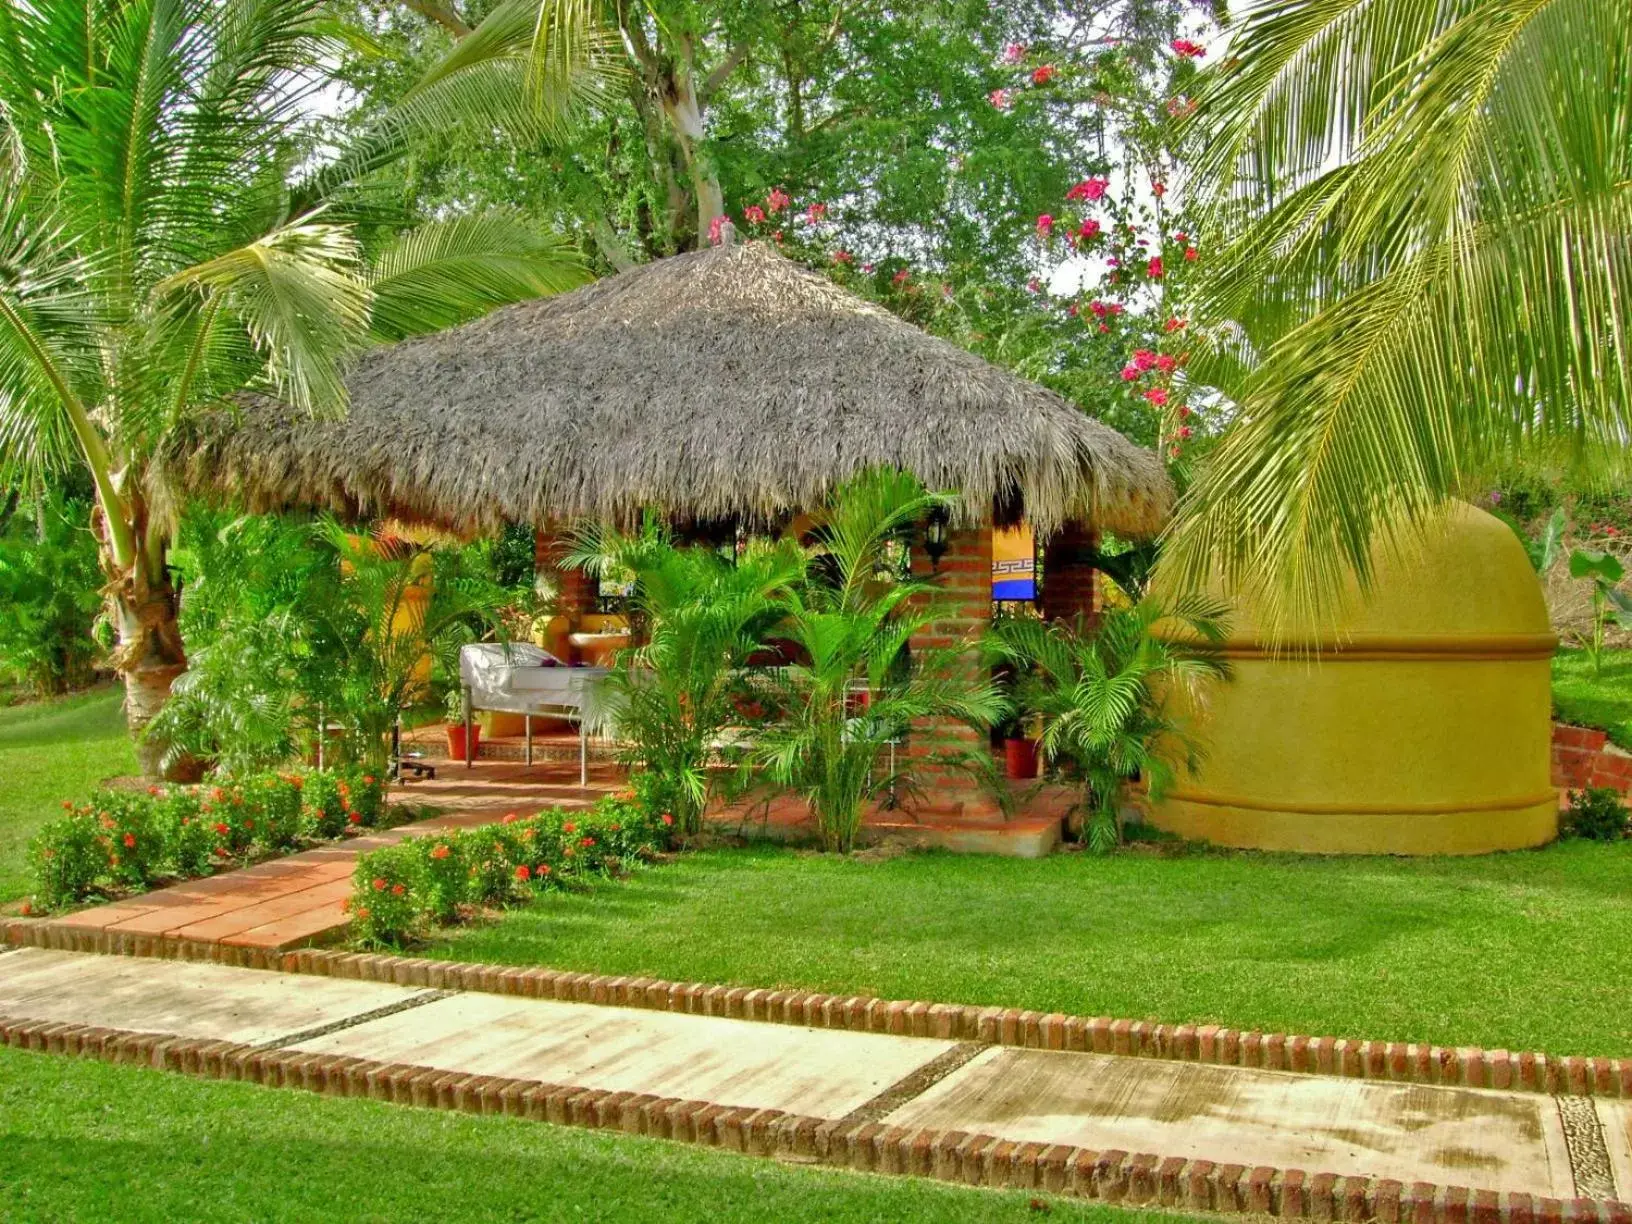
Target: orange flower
[
  {"x": 130, "y": 841},
  {"x": 397, "y": 890},
  {"x": 362, "y": 911},
  {"x": 522, "y": 873},
  {"x": 441, "y": 852},
  {"x": 379, "y": 884}
]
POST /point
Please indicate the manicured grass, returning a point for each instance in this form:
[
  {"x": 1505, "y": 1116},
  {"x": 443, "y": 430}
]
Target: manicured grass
[
  {"x": 1523, "y": 951},
  {"x": 51, "y": 751},
  {"x": 1603, "y": 701},
  {"x": 90, "y": 1141}
]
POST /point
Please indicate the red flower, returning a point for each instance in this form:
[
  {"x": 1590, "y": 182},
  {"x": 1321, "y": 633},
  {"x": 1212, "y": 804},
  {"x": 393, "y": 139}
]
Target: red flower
[
  {"x": 1154, "y": 267},
  {"x": 1191, "y": 254},
  {"x": 1104, "y": 328},
  {"x": 843, "y": 257},
  {"x": 368, "y": 779},
  {"x": 1143, "y": 358},
  {"x": 543, "y": 870},
  {"x": 1044, "y": 74},
  {"x": 999, "y": 98},
  {"x": 1157, "y": 396},
  {"x": 67, "y": 805},
  {"x": 1073, "y": 310},
  {"x": 510, "y": 818},
  {"x": 816, "y": 213},
  {"x": 1165, "y": 363},
  {"x": 1189, "y": 50},
  {"x": 1173, "y": 451},
  {"x": 27, "y": 908},
  {"x": 1090, "y": 229},
  {"x": 362, "y": 911},
  {"x": 1099, "y": 309},
  {"x": 153, "y": 790},
  {"x": 716, "y": 229},
  {"x": 1129, "y": 373},
  {"x": 1174, "y": 325},
  {"x": 666, "y": 818},
  {"x": 354, "y": 818},
  {"x": 1158, "y": 188},
  {"x": 379, "y": 884},
  {"x": 777, "y": 200},
  {"x": 397, "y": 890},
  {"x": 221, "y": 829},
  {"x": 524, "y": 873},
  {"x": 217, "y": 794},
  {"x": 587, "y": 842},
  {"x": 1013, "y": 53},
  {"x": 1184, "y": 411},
  {"x": 901, "y": 277},
  {"x": 1185, "y": 431},
  {"x": 569, "y": 827},
  {"x": 1088, "y": 189},
  {"x": 1045, "y": 224},
  {"x": 440, "y": 852},
  {"x": 753, "y": 214},
  {"x": 130, "y": 841}
]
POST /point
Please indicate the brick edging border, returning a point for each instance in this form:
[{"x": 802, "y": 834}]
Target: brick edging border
[
  {"x": 1392, "y": 1061},
  {"x": 1114, "y": 1176}
]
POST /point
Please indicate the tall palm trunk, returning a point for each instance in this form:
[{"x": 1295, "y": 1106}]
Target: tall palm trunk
[{"x": 142, "y": 605}]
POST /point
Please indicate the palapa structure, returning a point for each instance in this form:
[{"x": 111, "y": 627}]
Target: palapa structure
[{"x": 725, "y": 383}]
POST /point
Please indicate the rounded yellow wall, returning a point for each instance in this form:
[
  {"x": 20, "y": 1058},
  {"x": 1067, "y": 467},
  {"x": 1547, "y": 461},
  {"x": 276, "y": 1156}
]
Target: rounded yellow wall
[{"x": 1423, "y": 726}]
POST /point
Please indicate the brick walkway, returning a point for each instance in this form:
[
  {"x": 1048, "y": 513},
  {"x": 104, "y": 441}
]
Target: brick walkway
[
  {"x": 295, "y": 901},
  {"x": 1135, "y": 1130}
]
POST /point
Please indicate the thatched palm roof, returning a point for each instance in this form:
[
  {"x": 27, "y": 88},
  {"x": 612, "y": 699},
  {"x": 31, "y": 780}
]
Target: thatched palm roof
[{"x": 724, "y": 382}]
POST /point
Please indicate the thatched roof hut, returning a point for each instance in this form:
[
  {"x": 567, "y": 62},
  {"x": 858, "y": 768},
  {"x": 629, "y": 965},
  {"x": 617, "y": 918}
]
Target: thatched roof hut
[{"x": 726, "y": 382}]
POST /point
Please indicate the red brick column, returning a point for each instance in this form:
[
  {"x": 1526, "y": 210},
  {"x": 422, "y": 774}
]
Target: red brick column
[
  {"x": 964, "y": 578},
  {"x": 576, "y": 590},
  {"x": 1068, "y": 576}
]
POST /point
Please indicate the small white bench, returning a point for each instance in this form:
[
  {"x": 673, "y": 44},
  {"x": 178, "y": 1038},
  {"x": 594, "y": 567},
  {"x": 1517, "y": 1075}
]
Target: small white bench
[{"x": 520, "y": 678}]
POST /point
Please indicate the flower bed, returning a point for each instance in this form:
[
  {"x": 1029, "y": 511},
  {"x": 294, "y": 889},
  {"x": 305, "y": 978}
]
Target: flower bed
[
  {"x": 401, "y": 891},
  {"x": 122, "y": 840}
]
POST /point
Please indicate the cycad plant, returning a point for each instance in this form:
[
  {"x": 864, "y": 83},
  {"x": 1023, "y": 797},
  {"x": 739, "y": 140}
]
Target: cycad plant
[
  {"x": 855, "y": 686},
  {"x": 1103, "y": 692},
  {"x": 1426, "y": 210},
  {"x": 160, "y": 252},
  {"x": 673, "y": 698}
]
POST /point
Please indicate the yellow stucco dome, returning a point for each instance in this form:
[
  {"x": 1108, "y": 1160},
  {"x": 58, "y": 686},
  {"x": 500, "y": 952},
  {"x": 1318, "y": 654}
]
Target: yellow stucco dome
[{"x": 1423, "y": 726}]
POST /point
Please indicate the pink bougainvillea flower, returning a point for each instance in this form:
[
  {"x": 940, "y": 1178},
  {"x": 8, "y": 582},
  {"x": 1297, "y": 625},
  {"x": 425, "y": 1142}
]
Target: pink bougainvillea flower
[
  {"x": 1073, "y": 310},
  {"x": 1044, "y": 74},
  {"x": 1154, "y": 268},
  {"x": 1116, "y": 308},
  {"x": 816, "y": 213},
  {"x": 843, "y": 257},
  {"x": 1166, "y": 363},
  {"x": 716, "y": 229},
  {"x": 1045, "y": 224},
  {"x": 1090, "y": 229},
  {"x": 1143, "y": 359},
  {"x": 777, "y": 200},
  {"x": 1157, "y": 396},
  {"x": 1088, "y": 189},
  {"x": 753, "y": 214},
  {"x": 1129, "y": 373},
  {"x": 1000, "y": 98},
  {"x": 1189, "y": 50},
  {"x": 1113, "y": 263},
  {"x": 1034, "y": 285},
  {"x": 1099, "y": 308},
  {"x": 1014, "y": 53}
]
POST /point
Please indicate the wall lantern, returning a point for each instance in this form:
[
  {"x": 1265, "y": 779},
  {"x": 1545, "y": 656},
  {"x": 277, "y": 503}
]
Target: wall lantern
[{"x": 935, "y": 536}]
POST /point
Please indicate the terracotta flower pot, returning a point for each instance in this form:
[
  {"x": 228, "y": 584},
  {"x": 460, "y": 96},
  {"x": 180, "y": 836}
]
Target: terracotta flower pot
[
  {"x": 1020, "y": 759},
  {"x": 456, "y": 740}
]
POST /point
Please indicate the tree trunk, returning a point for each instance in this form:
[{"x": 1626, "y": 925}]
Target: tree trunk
[{"x": 142, "y": 603}]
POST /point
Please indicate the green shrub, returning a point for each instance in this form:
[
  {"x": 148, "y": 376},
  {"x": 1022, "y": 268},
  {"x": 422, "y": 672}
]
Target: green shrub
[
  {"x": 496, "y": 863},
  {"x": 323, "y": 807},
  {"x": 273, "y": 802},
  {"x": 1597, "y": 814},
  {"x": 443, "y": 874},
  {"x": 67, "y": 858},
  {"x": 188, "y": 840},
  {"x": 127, "y": 836},
  {"x": 386, "y": 904},
  {"x": 362, "y": 795}
]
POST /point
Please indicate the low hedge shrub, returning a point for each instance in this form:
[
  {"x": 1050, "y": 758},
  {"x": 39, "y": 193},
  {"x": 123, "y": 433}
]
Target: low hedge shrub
[
  {"x": 1598, "y": 814},
  {"x": 399, "y": 891},
  {"x": 125, "y": 839}
]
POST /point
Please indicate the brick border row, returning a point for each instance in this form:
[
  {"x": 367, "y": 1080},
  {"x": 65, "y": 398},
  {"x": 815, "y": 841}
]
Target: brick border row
[
  {"x": 1393, "y": 1061},
  {"x": 1130, "y": 1179}
]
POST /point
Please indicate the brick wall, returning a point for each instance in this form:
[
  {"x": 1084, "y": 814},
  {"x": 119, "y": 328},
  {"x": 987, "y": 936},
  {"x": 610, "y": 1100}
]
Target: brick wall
[
  {"x": 1583, "y": 757},
  {"x": 964, "y": 578},
  {"x": 1068, "y": 579}
]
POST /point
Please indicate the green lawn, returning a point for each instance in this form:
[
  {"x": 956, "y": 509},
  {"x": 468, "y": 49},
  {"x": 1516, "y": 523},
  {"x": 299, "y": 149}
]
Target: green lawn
[
  {"x": 1523, "y": 951},
  {"x": 90, "y": 1141},
  {"x": 51, "y": 751},
  {"x": 1603, "y": 701}
]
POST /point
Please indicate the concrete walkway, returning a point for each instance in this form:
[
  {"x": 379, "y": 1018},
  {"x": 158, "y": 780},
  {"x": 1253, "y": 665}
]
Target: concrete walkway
[{"x": 1276, "y": 1127}]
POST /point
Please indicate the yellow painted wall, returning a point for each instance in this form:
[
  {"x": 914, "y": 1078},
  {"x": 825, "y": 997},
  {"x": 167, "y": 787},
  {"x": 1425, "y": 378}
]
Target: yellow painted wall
[{"x": 1423, "y": 726}]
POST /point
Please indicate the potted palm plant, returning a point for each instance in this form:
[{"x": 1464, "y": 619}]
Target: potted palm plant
[
  {"x": 456, "y": 727},
  {"x": 1102, "y": 696}
]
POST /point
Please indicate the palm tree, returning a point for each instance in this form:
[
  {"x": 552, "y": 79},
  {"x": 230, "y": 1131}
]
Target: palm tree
[
  {"x": 674, "y": 697},
  {"x": 855, "y": 687},
  {"x": 1102, "y": 694},
  {"x": 1428, "y": 209},
  {"x": 155, "y": 260}
]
